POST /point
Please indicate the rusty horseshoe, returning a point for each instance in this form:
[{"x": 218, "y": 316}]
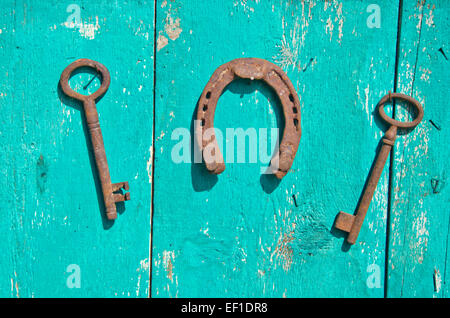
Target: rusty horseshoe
[{"x": 253, "y": 69}]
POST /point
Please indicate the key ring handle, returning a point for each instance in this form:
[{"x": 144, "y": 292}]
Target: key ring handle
[
  {"x": 406, "y": 98},
  {"x": 66, "y": 74}
]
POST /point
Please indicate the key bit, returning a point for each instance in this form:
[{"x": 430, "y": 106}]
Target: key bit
[
  {"x": 344, "y": 221},
  {"x": 119, "y": 197},
  {"x": 120, "y": 185},
  {"x": 109, "y": 189}
]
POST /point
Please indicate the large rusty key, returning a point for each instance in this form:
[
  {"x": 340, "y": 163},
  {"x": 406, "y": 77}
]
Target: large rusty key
[
  {"x": 109, "y": 189},
  {"x": 352, "y": 223}
]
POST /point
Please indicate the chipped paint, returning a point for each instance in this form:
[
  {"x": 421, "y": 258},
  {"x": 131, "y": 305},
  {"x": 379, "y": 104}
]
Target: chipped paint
[
  {"x": 293, "y": 39},
  {"x": 86, "y": 29},
  {"x": 429, "y": 17},
  {"x": 143, "y": 269},
  {"x": 149, "y": 164},
  {"x": 168, "y": 258},
  {"x": 437, "y": 281},
  {"x": 425, "y": 76},
  {"x": 161, "y": 42},
  {"x": 335, "y": 18},
  {"x": 245, "y": 6},
  {"x": 172, "y": 28},
  {"x": 15, "y": 286}
]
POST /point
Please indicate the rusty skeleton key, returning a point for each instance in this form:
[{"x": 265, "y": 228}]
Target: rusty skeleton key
[
  {"x": 352, "y": 223},
  {"x": 90, "y": 110}
]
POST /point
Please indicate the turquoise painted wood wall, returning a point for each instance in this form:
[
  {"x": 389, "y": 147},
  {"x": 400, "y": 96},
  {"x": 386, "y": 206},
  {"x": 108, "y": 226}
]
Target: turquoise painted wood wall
[{"x": 186, "y": 233}]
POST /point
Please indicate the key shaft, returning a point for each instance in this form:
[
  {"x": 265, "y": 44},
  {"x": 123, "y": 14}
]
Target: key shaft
[
  {"x": 98, "y": 146},
  {"x": 388, "y": 141}
]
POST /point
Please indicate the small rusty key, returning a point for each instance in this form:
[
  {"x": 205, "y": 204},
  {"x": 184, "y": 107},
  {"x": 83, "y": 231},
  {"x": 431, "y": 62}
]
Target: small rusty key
[
  {"x": 352, "y": 223},
  {"x": 90, "y": 110}
]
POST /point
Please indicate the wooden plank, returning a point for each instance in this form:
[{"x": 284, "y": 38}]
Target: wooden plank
[
  {"x": 240, "y": 234},
  {"x": 52, "y": 215},
  {"x": 418, "y": 247},
  {"x": 8, "y": 140}
]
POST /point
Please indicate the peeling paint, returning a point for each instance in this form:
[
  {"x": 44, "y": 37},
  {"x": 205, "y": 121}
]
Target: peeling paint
[
  {"x": 168, "y": 259},
  {"x": 149, "y": 164},
  {"x": 144, "y": 266},
  {"x": 161, "y": 42},
  {"x": 437, "y": 280},
  {"x": 86, "y": 29},
  {"x": 172, "y": 27}
]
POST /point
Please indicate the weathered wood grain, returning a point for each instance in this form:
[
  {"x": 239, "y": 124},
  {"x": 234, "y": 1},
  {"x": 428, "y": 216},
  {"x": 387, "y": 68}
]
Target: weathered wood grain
[
  {"x": 240, "y": 234},
  {"x": 52, "y": 212},
  {"x": 418, "y": 252}
]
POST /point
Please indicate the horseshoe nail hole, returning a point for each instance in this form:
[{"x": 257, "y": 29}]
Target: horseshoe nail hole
[
  {"x": 291, "y": 97},
  {"x": 208, "y": 95},
  {"x": 203, "y": 122},
  {"x": 294, "y": 109},
  {"x": 205, "y": 108},
  {"x": 296, "y": 123}
]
